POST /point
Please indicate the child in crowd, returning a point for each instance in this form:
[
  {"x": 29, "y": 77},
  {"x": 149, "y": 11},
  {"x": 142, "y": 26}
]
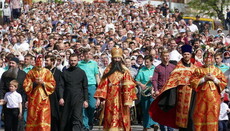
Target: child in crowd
[
  {"x": 13, "y": 112},
  {"x": 223, "y": 117}
]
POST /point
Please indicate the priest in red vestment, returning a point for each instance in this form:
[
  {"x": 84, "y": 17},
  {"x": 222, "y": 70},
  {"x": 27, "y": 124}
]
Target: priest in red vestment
[
  {"x": 173, "y": 106},
  {"x": 208, "y": 81},
  {"x": 117, "y": 91},
  {"x": 38, "y": 85}
]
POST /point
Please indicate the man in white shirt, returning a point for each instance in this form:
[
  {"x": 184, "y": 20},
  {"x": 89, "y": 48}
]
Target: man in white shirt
[
  {"x": 6, "y": 13},
  {"x": 156, "y": 62},
  {"x": 22, "y": 45},
  {"x": 16, "y": 8},
  {"x": 174, "y": 55},
  {"x": 109, "y": 25},
  {"x": 193, "y": 28}
]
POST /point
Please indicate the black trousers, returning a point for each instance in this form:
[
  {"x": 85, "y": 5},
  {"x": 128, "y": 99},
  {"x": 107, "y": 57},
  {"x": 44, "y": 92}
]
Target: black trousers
[
  {"x": 223, "y": 125},
  {"x": 6, "y": 19},
  {"x": 16, "y": 13},
  {"x": 54, "y": 124},
  {"x": 77, "y": 123},
  {"x": 11, "y": 119}
]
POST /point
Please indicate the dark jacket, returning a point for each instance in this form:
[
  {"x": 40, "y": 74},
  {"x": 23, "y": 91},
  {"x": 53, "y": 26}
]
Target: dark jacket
[{"x": 5, "y": 81}]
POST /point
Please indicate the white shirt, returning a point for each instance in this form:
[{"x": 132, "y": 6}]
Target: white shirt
[
  {"x": 109, "y": 26},
  {"x": 24, "y": 46},
  {"x": 156, "y": 62},
  {"x": 7, "y": 11},
  {"x": 101, "y": 70},
  {"x": 15, "y": 4},
  {"x": 193, "y": 28},
  {"x": 13, "y": 99},
  {"x": 175, "y": 55},
  {"x": 60, "y": 67},
  {"x": 223, "y": 111}
]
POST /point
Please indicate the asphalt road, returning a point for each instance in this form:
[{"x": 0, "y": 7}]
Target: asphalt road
[
  {"x": 134, "y": 128},
  {"x": 100, "y": 128}
]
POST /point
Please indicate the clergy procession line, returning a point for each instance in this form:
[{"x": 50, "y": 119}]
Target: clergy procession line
[
  {"x": 190, "y": 97},
  {"x": 68, "y": 66}
]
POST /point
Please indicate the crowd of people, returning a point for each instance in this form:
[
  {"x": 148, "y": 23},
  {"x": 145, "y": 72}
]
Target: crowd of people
[{"x": 100, "y": 54}]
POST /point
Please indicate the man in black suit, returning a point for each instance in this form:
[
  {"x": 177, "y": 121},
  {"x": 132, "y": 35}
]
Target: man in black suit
[{"x": 54, "y": 98}]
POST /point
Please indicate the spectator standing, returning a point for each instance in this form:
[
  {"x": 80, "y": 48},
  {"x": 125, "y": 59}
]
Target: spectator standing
[
  {"x": 226, "y": 58},
  {"x": 198, "y": 23},
  {"x": 223, "y": 117},
  {"x": 228, "y": 20},
  {"x": 16, "y": 8},
  {"x": 27, "y": 63},
  {"x": 192, "y": 27},
  {"x": 6, "y": 14},
  {"x": 174, "y": 55},
  {"x": 160, "y": 77},
  {"x": 219, "y": 64},
  {"x": 104, "y": 64},
  {"x": 128, "y": 64},
  {"x": 143, "y": 79},
  {"x": 90, "y": 67}
]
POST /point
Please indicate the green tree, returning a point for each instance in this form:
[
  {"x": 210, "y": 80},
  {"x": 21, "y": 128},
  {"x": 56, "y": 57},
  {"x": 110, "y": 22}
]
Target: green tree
[{"x": 210, "y": 7}]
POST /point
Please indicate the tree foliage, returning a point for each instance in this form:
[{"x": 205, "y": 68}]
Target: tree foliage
[{"x": 210, "y": 7}]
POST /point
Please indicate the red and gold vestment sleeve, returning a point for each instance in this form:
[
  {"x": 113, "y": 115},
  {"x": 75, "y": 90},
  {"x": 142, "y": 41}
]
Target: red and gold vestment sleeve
[
  {"x": 48, "y": 86},
  {"x": 195, "y": 79},
  {"x": 101, "y": 91},
  {"x": 172, "y": 81},
  {"x": 128, "y": 87},
  {"x": 200, "y": 73},
  {"x": 28, "y": 84},
  {"x": 49, "y": 82}
]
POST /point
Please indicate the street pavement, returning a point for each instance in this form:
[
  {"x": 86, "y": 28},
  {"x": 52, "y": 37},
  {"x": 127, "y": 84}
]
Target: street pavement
[
  {"x": 100, "y": 128},
  {"x": 134, "y": 128}
]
